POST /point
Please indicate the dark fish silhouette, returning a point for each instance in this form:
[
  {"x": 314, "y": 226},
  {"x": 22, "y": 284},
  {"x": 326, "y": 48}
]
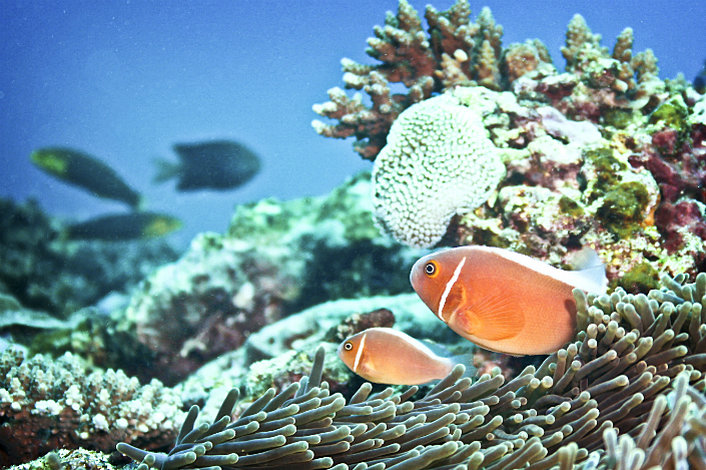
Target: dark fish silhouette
[
  {"x": 700, "y": 80},
  {"x": 218, "y": 164},
  {"x": 85, "y": 171},
  {"x": 129, "y": 226}
]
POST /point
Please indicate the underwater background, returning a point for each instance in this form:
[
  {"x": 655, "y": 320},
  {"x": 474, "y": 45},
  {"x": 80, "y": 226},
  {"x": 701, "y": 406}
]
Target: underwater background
[
  {"x": 204, "y": 204},
  {"x": 126, "y": 80}
]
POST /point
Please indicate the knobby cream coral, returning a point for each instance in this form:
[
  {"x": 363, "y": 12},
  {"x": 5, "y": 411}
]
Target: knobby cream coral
[{"x": 438, "y": 162}]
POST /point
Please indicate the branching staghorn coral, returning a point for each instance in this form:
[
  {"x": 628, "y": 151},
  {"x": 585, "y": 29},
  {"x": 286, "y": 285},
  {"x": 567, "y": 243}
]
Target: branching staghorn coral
[
  {"x": 653, "y": 222},
  {"x": 601, "y": 402},
  {"x": 456, "y": 51},
  {"x": 625, "y": 74},
  {"x": 453, "y": 51}
]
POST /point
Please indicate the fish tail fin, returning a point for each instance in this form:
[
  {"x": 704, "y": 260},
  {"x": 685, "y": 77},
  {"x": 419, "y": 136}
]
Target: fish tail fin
[
  {"x": 166, "y": 170},
  {"x": 135, "y": 200},
  {"x": 466, "y": 360},
  {"x": 590, "y": 275},
  {"x": 140, "y": 204},
  {"x": 452, "y": 360}
]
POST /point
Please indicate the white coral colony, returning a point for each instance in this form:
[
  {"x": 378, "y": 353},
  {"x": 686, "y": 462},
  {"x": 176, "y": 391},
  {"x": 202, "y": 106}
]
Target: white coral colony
[{"x": 438, "y": 162}]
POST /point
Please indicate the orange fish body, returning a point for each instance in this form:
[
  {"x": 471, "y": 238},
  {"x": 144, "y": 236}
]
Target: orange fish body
[
  {"x": 501, "y": 300},
  {"x": 388, "y": 356}
]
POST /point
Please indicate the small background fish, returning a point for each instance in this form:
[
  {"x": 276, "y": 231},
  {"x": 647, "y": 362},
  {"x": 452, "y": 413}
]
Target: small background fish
[
  {"x": 124, "y": 226},
  {"x": 504, "y": 301},
  {"x": 218, "y": 164},
  {"x": 85, "y": 171}
]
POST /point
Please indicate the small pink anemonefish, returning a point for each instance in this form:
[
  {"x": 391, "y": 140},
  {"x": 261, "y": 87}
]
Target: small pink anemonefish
[
  {"x": 504, "y": 301},
  {"x": 388, "y": 356}
]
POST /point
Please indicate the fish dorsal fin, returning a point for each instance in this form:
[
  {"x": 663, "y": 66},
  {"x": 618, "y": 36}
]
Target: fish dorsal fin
[
  {"x": 494, "y": 316},
  {"x": 188, "y": 152},
  {"x": 166, "y": 170},
  {"x": 435, "y": 349},
  {"x": 590, "y": 272}
]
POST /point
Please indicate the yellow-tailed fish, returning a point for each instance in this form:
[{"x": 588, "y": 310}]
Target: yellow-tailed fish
[
  {"x": 504, "y": 301},
  {"x": 388, "y": 356},
  {"x": 134, "y": 225},
  {"x": 85, "y": 171}
]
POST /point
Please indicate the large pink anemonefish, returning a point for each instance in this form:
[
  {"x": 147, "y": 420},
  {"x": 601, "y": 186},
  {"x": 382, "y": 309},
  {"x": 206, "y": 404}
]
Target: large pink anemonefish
[{"x": 504, "y": 301}]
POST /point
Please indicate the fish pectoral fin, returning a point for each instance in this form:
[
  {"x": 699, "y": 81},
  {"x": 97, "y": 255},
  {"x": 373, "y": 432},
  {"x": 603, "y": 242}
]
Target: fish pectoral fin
[{"x": 498, "y": 317}]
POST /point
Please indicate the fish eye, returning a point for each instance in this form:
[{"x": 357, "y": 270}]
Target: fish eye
[
  {"x": 347, "y": 346},
  {"x": 430, "y": 269}
]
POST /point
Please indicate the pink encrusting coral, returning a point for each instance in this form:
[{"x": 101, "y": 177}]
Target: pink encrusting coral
[{"x": 601, "y": 154}]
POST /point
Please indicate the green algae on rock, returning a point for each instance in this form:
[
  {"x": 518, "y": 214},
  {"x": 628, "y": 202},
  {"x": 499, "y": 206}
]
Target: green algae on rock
[
  {"x": 607, "y": 133},
  {"x": 624, "y": 208}
]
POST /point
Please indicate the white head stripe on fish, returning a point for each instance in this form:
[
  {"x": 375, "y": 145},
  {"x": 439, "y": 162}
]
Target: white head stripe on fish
[
  {"x": 359, "y": 353},
  {"x": 449, "y": 286}
]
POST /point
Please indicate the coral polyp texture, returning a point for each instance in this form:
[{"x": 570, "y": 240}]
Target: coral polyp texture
[
  {"x": 629, "y": 387},
  {"x": 484, "y": 144},
  {"x": 604, "y": 154},
  {"x": 276, "y": 258},
  {"x": 456, "y": 51},
  {"x": 47, "y": 404},
  {"x": 438, "y": 162}
]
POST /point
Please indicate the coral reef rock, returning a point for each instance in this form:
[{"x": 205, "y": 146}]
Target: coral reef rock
[
  {"x": 455, "y": 51},
  {"x": 44, "y": 271},
  {"x": 605, "y": 154},
  {"x": 50, "y": 403},
  {"x": 276, "y": 259},
  {"x": 272, "y": 355}
]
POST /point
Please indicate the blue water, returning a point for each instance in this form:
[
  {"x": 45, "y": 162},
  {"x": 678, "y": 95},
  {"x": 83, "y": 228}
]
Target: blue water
[{"x": 124, "y": 80}]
